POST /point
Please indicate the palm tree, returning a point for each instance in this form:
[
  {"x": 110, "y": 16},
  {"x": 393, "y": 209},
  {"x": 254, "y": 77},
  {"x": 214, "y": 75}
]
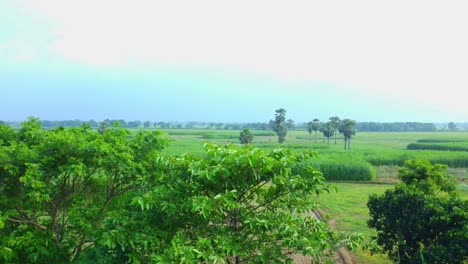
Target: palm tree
[
  {"x": 316, "y": 127},
  {"x": 335, "y": 122},
  {"x": 348, "y": 128}
]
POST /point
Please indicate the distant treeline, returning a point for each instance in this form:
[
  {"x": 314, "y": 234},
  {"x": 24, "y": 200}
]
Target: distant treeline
[
  {"x": 396, "y": 127},
  {"x": 361, "y": 126}
]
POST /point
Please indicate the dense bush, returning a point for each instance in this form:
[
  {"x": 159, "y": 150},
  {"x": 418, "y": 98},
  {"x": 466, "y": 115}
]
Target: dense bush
[{"x": 415, "y": 223}]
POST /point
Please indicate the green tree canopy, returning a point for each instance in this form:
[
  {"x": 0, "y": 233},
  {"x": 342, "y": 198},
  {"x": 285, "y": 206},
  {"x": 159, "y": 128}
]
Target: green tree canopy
[
  {"x": 415, "y": 223},
  {"x": 60, "y": 186},
  {"x": 240, "y": 205}
]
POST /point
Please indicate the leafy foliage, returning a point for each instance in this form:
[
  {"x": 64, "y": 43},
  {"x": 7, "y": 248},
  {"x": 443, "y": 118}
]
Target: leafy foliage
[
  {"x": 60, "y": 186},
  {"x": 415, "y": 224},
  {"x": 83, "y": 196},
  {"x": 240, "y": 205}
]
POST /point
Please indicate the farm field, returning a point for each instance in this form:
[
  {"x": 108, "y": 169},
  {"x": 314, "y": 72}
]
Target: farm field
[
  {"x": 384, "y": 152},
  {"x": 380, "y": 148}
]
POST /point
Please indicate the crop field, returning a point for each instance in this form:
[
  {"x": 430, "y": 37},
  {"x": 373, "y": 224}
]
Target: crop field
[
  {"x": 369, "y": 158},
  {"x": 374, "y": 159},
  {"x": 378, "y": 149}
]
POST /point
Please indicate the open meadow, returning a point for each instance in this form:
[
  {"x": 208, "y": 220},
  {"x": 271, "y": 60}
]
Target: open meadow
[{"x": 369, "y": 167}]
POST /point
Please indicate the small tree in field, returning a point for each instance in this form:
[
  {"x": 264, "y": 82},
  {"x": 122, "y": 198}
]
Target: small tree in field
[
  {"x": 246, "y": 136},
  {"x": 414, "y": 223}
]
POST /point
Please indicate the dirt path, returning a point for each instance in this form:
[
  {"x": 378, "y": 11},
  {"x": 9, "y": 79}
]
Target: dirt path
[{"x": 341, "y": 256}]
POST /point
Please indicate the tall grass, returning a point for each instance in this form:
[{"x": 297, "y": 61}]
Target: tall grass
[
  {"x": 450, "y": 146},
  {"x": 435, "y": 140},
  {"x": 339, "y": 168},
  {"x": 397, "y": 157}
]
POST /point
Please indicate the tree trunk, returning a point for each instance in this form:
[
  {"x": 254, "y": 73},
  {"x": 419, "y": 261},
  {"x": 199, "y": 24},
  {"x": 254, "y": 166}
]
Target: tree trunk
[
  {"x": 335, "y": 137},
  {"x": 349, "y": 143},
  {"x": 345, "y": 143}
]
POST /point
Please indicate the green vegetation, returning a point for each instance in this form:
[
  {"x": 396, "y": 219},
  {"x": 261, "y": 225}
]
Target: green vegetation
[
  {"x": 341, "y": 168},
  {"x": 83, "y": 196},
  {"x": 347, "y": 127},
  {"x": 130, "y": 198},
  {"x": 415, "y": 223},
  {"x": 346, "y": 210},
  {"x": 449, "y": 146},
  {"x": 62, "y": 190},
  {"x": 240, "y": 205},
  {"x": 246, "y": 136},
  {"x": 279, "y": 125}
]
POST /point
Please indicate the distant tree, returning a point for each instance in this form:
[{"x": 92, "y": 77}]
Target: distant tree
[
  {"x": 316, "y": 127},
  {"x": 321, "y": 130},
  {"x": 219, "y": 126},
  {"x": 415, "y": 223},
  {"x": 451, "y": 126},
  {"x": 310, "y": 129},
  {"x": 348, "y": 129},
  {"x": 103, "y": 126},
  {"x": 134, "y": 124},
  {"x": 335, "y": 122},
  {"x": 328, "y": 130},
  {"x": 279, "y": 124},
  {"x": 246, "y": 136},
  {"x": 290, "y": 125},
  {"x": 147, "y": 124},
  {"x": 93, "y": 123}
]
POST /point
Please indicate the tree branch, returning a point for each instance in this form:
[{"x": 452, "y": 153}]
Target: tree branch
[{"x": 27, "y": 222}]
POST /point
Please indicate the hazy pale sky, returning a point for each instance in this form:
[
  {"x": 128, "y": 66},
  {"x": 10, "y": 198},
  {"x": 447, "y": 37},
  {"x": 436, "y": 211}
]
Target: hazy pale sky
[{"x": 234, "y": 60}]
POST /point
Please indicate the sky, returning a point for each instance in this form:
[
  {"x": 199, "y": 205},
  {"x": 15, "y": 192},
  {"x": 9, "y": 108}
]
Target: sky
[{"x": 233, "y": 61}]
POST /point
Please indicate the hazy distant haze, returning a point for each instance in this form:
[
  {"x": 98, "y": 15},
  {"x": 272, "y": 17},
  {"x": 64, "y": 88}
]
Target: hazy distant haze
[{"x": 233, "y": 61}]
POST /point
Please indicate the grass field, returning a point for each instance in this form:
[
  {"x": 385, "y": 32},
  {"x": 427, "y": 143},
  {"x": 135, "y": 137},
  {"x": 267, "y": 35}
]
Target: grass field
[
  {"x": 347, "y": 209},
  {"x": 376, "y": 148}
]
